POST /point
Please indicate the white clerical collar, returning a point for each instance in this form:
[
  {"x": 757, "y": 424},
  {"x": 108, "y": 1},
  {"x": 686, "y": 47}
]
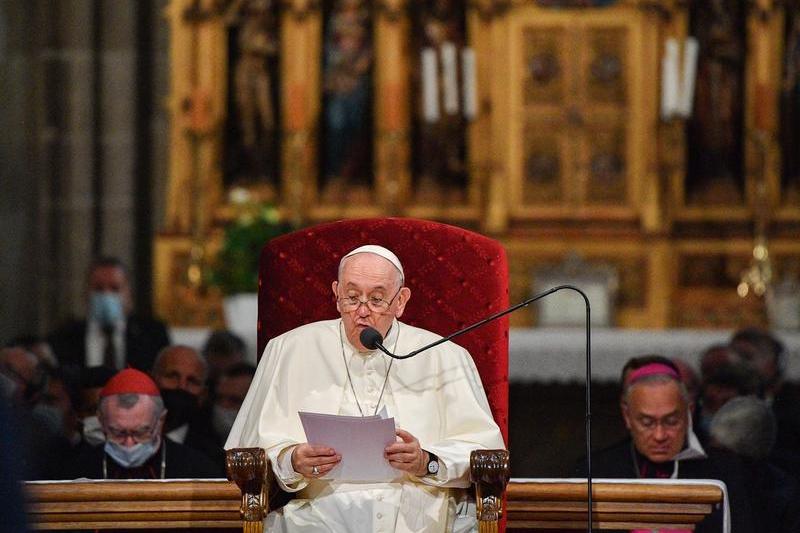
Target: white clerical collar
[
  {"x": 179, "y": 433},
  {"x": 693, "y": 449}
]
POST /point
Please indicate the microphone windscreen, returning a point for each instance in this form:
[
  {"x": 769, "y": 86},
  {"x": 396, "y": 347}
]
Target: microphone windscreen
[{"x": 370, "y": 338}]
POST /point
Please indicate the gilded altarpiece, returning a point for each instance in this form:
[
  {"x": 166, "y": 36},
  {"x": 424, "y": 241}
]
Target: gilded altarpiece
[
  {"x": 563, "y": 152},
  {"x": 579, "y": 152}
]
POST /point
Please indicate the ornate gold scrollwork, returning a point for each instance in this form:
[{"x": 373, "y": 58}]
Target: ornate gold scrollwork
[
  {"x": 247, "y": 467},
  {"x": 199, "y": 11},
  {"x": 664, "y": 9},
  {"x": 300, "y": 9},
  {"x": 489, "y": 471},
  {"x": 391, "y": 9},
  {"x": 764, "y": 9},
  {"x": 488, "y": 9}
]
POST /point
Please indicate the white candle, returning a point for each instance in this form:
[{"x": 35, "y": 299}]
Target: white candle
[
  {"x": 449, "y": 78},
  {"x": 689, "y": 75},
  {"x": 469, "y": 83},
  {"x": 669, "y": 79},
  {"x": 430, "y": 87}
]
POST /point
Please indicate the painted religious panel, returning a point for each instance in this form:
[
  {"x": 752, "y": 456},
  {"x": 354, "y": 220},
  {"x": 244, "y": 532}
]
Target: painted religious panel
[
  {"x": 445, "y": 101},
  {"x": 545, "y": 83},
  {"x": 605, "y": 116},
  {"x": 605, "y": 69},
  {"x": 545, "y": 161},
  {"x": 347, "y": 117},
  {"x": 715, "y": 133},
  {"x": 546, "y": 143},
  {"x": 252, "y": 143},
  {"x": 790, "y": 108},
  {"x": 605, "y": 150}
]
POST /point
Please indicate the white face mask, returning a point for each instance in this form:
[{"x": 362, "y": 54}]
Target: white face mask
[
  {"x": 93, "y": 431},
  {"x": 105, "y": 307},
  {"x": 131, "y": 456}
]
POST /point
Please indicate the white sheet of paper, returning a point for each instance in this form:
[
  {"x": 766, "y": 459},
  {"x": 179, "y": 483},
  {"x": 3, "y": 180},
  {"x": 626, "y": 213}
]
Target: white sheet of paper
[{"x": 359, "y": 440}]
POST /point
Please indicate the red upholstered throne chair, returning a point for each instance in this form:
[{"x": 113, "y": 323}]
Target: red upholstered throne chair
[{"x": 456, "y": 277}]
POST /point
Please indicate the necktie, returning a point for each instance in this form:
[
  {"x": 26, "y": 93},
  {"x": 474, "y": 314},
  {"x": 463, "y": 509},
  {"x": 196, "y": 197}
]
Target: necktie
[{"x": 110, "y": 351}]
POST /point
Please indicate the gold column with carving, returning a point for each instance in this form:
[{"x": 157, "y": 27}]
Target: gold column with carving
[
  {"x": 482, "y": 16},
  {"x": 198, "y": 89},
  {"x": 197, "y": 113},
  {"x": 301, "y": 33},
  {"x": 392, "y": 103},
  {"x": 496, "y": 216}
]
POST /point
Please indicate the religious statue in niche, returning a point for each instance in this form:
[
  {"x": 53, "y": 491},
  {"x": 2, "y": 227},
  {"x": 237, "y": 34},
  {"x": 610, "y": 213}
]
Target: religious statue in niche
[
  {"x": 252, "y": 144},
  {"x": 790, "y": 104},
  {"x": 715, "y": 132},
  {"x": 347, "y": 104},
  {"x": 445, "y": 92}
]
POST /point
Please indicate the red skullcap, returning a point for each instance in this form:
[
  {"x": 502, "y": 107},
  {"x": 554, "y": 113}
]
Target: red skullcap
[{"x": 130, "y": 381}]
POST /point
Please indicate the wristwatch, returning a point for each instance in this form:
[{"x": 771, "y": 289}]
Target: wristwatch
[{"x": 433, "y": 464}]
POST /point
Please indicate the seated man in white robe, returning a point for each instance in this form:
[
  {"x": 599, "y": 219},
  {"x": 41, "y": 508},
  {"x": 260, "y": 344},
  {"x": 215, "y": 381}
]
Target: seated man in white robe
[{"x": 436, "y": 398}]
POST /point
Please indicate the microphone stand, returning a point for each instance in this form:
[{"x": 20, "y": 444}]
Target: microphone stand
[{"x": 525, "y": 303}]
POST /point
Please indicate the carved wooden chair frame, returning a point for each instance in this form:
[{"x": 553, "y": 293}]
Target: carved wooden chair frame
[{"x": 248, "y": 468}]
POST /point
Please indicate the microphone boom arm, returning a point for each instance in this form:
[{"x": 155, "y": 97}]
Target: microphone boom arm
[
  {"x": 525, "y": 303},
  {"x": 480, "y": 323}
]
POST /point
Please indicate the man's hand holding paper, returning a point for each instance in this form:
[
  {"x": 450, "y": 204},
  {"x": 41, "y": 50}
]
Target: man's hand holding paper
[
  {"x": 314, "y": 460},
  {"x": 361, "y": 443}
]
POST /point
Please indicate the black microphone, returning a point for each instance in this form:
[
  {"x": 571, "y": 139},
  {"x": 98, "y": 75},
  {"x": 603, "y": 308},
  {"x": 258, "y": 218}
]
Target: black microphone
[{"x": 372, "y": 339}]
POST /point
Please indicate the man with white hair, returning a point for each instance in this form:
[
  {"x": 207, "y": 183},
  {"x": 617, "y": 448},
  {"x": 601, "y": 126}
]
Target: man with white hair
[
  {"x": 746, "y": 426},
  {"x": 436, "y": 399}
]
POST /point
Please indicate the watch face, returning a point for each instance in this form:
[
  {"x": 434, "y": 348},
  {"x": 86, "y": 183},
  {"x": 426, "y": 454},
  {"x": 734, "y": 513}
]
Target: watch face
[{"x": 433, "y": 466}]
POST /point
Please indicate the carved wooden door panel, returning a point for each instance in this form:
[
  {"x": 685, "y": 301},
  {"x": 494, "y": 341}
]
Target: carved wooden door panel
[{"x": 576, "y": 119}]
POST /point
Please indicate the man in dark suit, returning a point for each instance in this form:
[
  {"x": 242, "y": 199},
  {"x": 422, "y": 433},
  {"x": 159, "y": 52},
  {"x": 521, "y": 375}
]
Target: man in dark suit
[
  {"x": 181, "y": 373},
  {"x": 132, "y": 416},
  {"x": 110, "y": 335},
  {"x": 656, "y": 408}
]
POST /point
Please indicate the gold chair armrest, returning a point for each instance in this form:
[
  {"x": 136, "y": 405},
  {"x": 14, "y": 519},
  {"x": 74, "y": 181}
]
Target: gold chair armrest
[
  {"x": 490, "y": 472},
  {"x": 247, "y": 467}
]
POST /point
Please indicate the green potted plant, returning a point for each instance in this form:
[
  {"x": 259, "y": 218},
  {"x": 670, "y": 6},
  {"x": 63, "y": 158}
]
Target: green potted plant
[{"x": 235, "y": 269}]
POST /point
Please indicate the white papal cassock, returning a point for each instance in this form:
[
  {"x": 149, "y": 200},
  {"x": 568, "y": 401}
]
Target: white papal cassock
[{"x": 437, "y": 396}]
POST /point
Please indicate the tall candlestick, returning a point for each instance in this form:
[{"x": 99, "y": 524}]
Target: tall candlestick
[
  {"x": 689, "y": 75},
  {"x": 469, "y": 83},
  {"x": 430, "y": 87},
  {"x": 669, "y": 79},
  {"x": 449, "y": 78}
]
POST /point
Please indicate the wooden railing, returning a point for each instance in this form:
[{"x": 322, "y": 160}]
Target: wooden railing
[
  {"x": 133, "y": 504},
  {"x": 549, "y": 505},
  {"x": 220, "y": 504}
]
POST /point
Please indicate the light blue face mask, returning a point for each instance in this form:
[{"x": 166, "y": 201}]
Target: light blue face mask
[
  {"x": 131, "y": 456},
  {"x": 105, "y": 307}
]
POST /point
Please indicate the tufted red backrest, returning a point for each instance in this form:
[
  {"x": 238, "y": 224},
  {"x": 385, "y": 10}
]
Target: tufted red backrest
[{"x": 456, "y": 277}]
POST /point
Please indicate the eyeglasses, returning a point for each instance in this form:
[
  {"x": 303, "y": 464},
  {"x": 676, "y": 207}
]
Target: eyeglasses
[
  {"x": 139, "y": 435},
  {"x": 375, "y": 304},
  {"x": 669, "y": 423}
]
